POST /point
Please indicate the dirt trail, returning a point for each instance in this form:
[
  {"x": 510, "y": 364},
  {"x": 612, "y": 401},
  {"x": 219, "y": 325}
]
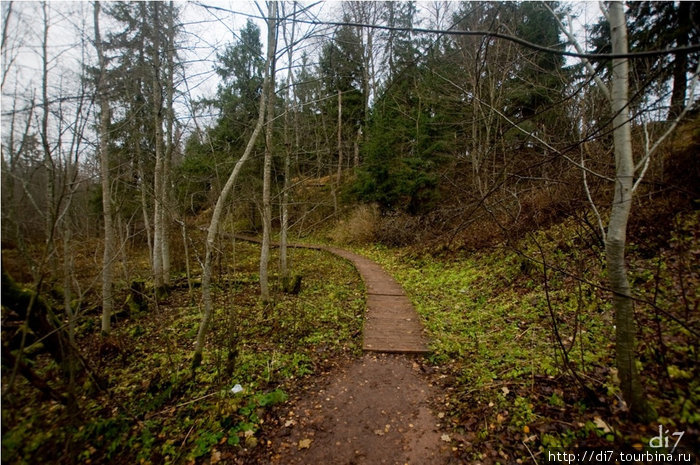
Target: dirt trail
[
  {"x": 375, "y": 410},
  {"x": 391, "y": 323},
  {"x": 372, "y": 410}
]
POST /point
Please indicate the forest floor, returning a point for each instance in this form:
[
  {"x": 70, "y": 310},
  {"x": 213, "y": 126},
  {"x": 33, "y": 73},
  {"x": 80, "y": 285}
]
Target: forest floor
[{"x": 492, "y": 389}]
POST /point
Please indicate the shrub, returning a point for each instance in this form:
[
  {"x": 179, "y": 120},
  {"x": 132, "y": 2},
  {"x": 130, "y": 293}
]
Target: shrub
[{"x": 359, "y": 228}]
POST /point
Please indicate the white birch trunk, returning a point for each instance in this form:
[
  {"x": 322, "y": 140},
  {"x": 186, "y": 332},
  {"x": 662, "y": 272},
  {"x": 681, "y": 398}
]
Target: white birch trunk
[
  {"x": 158, "y": 171},
  {"x": 169, "y": 149},
  {"x": 108, "y": 255},
  {"x": 267, "y": 168},
  {"x": 221, "y": 201},
  {"x": 625, "y": 328}
]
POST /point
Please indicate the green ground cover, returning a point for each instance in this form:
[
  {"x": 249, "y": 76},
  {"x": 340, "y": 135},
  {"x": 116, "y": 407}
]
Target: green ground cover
[
  {"x": 153, "y": 410},
  {"x": 493, "y": 325}
]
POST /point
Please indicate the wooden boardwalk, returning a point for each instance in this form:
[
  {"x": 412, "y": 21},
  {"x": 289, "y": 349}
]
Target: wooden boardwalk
[{"x": 391, "y": 323}]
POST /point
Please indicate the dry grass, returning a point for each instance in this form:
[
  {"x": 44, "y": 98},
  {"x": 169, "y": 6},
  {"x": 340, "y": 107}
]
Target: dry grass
[{"x": 359, "y": 228}]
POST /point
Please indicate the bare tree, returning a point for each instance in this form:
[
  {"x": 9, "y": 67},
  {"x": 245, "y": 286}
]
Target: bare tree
[
  {"x": 166, "y": 187},
  {"x": 49, "y": 166},
  {"x": 289, "y": 44},
  {"x": 108, "y": 255},
  {"x": 267, "y": 167},
  {"x": 625, "y": 328},
  {"x": 158, "y": 177},
  {"x": 221, "y": 201}
]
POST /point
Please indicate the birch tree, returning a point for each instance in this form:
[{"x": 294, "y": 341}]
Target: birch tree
[
  {"x": 108, "y": 255},
  {"x": 289, "y": 44},
  {"x": 223, "y": 197},
  {"x": 625, "y": 328},
  {"x": 267, "y": 165},
  {"x": 158, "y": 177}
]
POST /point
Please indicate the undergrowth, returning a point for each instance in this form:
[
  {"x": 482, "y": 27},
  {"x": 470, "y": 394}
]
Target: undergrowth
[
  {"x": 152, "y": 409},
  {"x": 529, "y": 367}
]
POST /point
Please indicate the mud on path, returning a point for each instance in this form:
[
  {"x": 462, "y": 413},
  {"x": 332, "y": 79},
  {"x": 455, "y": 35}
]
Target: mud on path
[{"x": 370, "y": 410}]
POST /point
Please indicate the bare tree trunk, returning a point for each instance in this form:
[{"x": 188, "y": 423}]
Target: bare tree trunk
[
  {"x": 50, "y": 218},
  {"x": 267, "y": 168},
  {"x": 108, "y": 256},
  {"x": 221, "y": 201},
  {"x": 144, "y": 203},
  {"x": 625, "y": 340},
  {"x": 6, "y": 59},
  {"x": 340, "y": 136},
  {"x": 158, "y": 223},
  {"x": 167, "y": 162},
  {"x": 140, "y": 162},
  {"x": 68, "y": 306},
  {"x": 680, "y": 62},
  {"x": 356, "y": 147},
  {"x": 289, "y": 43},
  {"x": 183, "y": 230}
]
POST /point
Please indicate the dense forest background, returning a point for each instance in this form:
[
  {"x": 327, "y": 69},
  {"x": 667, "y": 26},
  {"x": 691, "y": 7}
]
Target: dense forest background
[{"x": 530, "y": 177}]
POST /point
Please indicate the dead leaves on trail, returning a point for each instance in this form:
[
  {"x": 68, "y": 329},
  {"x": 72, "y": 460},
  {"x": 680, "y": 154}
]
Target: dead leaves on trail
[{"x": 305, "y": 443}]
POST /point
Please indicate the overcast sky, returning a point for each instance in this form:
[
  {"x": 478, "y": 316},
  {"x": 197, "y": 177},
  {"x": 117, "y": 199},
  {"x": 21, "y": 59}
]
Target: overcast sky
[{"x": 206, "y": 31}]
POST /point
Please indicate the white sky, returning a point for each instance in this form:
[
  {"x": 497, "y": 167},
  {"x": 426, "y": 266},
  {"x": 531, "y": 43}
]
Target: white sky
[{"x": 206, "y": 32}]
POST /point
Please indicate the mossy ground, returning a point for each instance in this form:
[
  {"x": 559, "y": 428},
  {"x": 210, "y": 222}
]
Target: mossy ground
[
  {"x": 491, "y": 318},
  {"x": 153, "y": 410}
]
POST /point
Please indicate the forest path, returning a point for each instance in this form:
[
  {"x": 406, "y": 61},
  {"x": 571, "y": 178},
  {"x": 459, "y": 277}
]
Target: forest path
[
  {"x": 391, "y": 323},
  {"x": 371, "y": 410}
]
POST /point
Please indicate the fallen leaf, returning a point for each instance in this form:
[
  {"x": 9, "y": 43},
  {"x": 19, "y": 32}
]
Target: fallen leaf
[
  {"x": 600, "y": 424},
  {"x": 441, "y": 415},
  {"x": 304, "y": 444},
  {"x": 505, "y": 390},
  {"x": 215, "y": 457},
  {"x": 445, "y": 437}
]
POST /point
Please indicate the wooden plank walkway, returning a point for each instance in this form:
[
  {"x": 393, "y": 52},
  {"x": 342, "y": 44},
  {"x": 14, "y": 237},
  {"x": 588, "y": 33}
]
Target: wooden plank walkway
[{"x": 391, "y": 323}]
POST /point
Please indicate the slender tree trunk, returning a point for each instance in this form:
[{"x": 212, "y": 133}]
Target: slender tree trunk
[
  {"x": 625, "y": 340},
  {"x": 287, "y": 152},
  {"x": 340, "y": 136},
  {"x": 167, "y": 162},
  {"x": 68, "y": 306},
  {"x": 144, "y": 203},
  {"x": 356, "y": 148},
  {"x": 108, "y": 255},
  {"x": 158, "y": 224},
  {"x": 183, "y": 230},
  {"x": 680, "y": 63},
  {"x": 137, "y": 136},
  {"x": 50, "y": 218},
  {"x": 267, "y": 168},
  {"x": 221, "y": 201}
]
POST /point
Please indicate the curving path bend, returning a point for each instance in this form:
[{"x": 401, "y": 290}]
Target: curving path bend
[
  {"x": 391, "y": 323},
  {"x": 373, "y": 410}
]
